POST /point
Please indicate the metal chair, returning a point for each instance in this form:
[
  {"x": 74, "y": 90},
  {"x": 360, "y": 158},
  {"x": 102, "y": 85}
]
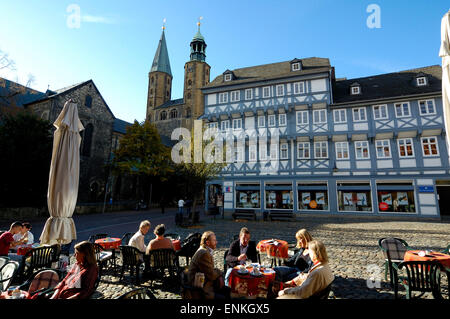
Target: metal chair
[
  {"x": 422, "y": 276},
  {"x": 93, "y": 238},
  {"x": 189, "y": 246},
  {"x": 41, "y": 280},
  {"x": 160, "y": 260},
  {"x": 7, "y": 274},
  {"x": 3, "y": 260},
  {"x": 132, "y": 259},
  {"x": 126, "y": 238},
  {"x": 394, "y": 251},
  {"x": 102, "y": 256},
  {"x": 139, "y": 293}
]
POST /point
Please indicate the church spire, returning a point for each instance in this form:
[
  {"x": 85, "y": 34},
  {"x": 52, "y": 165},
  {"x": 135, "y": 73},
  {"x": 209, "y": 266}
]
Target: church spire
[
  {"x": 161, "y": 61},
  {"x": 198, "y": 45}
]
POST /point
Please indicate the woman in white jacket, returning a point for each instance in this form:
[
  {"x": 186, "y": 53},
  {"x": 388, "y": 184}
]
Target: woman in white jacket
[{"x": 317, "y": 279}]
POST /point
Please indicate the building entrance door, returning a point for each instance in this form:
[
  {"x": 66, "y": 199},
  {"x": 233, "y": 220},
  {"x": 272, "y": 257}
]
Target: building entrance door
[{"x": 444, "y": 199}]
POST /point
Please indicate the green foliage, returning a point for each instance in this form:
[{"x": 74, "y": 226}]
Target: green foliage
[{"x": 25, "y": 155}]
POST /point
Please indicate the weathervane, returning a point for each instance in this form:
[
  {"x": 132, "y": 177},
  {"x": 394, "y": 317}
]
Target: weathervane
[
  {"x": 198, "y": 23},
  {"x": 164, "y": 24}
]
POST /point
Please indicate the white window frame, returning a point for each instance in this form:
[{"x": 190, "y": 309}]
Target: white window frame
[
  {"x": 383, "y": 145},
  {"x": 302, "y": 117},
  {"x": 235, "y": 127},
  {"x": 402, "y": 109},
  {"x": 342, "y": 146},
  {"x": 320, "y": 145},
  {"x": 227, "y": 77},
  {"x": 223, "y": 97},
  {"x": 235, "y": 96},
  {"x": 420, "y": 79},
  {"x": 426, "y": 107},
  {"x": 264, "y": 91},
  {"x": 247, "y": 95},
  {"x": 320, "y": 112},
  {"x": 295, "y": 66},
  {"x": 429, "y": 143},
  {"x": 269, "y": 118},
  {"x": 306, "y": 145},
  {"x": 252, "y": 153},
  {"x": 284, "y": 148},
  {"x": 212, "y": 125},
  {"x": 412, "y": 147},
  {"x": 362, "y": 145},
  {"x": 358, "y": 111},
  {"x": 225, "y": 125},
  {"x": 282, "y": 119},
  {"x": 261, "y": 121},
  {"x": 299, "y": 87},
  {"x": 355, "y": 90},
  {"x": 340, "y": 112},
  {"x": 263, "y": 153},
  {"x": 279, "y": 89},
  {"x": 380, "y": 107}
]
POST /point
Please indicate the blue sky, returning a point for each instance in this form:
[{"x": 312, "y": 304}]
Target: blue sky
[{"x": 116, "y": 41}]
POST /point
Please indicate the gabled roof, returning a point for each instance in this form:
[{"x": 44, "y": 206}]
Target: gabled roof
[
  {"x": 388, "y": 85},
  {"x": 272, "y": 71},
  {"x": 120, "y": 126},
  {"x": 170, "y": 103},
  {"x": 13, "y": 94},
  {"x": 161, "y": 60},
  {"x": 52, "y": 94}
]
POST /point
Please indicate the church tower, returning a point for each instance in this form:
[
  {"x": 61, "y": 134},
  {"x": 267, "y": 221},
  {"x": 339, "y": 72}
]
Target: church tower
[
  {"x": 159, "y": 79},
  {"x": 196, "y": 75}
]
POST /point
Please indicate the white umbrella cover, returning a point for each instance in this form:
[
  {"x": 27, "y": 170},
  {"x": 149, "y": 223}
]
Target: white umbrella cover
[
  {"x": 444, "y": 53},
  {"x": 63, "y": 178}
]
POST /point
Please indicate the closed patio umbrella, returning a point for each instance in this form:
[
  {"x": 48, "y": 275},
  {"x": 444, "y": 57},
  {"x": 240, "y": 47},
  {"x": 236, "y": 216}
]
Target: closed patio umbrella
[
  {"x": 444, "y": 53},
  {"x": 64, "y": 177}
]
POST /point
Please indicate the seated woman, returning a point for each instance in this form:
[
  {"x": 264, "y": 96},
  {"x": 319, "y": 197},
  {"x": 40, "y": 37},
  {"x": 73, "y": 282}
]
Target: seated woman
[
  {"x": 160, "y": 242},
  {"x": 317, "y": 279},
  {"x": 80, "y": 281},
  {"x": 300, "y": 262}
]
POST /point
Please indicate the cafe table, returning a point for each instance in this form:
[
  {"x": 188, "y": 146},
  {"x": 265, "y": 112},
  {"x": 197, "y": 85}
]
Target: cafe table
[
  {"x": 23, "y": 249},
  {"x": 276, "y": 249},
  {"x": 110, "y": 243},
  {"x": 249, "y": 286},
  {"x": 415, "y": 255}
]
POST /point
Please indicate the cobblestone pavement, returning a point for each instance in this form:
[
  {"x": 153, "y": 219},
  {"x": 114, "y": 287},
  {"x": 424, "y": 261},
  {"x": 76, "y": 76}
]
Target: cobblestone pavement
[{"x": 352, "y": 246}]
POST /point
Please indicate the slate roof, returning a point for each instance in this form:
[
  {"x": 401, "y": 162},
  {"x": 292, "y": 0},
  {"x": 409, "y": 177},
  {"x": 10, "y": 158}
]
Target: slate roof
[
  {"x": 170, "y": 103},
  {"x": 120, "y": 126},
  {"x": 389, "y": 85},
  {"x": 161, "y": 60},
  {"x": 272, "y": 71},
  {"x": 14, "y": 94}
]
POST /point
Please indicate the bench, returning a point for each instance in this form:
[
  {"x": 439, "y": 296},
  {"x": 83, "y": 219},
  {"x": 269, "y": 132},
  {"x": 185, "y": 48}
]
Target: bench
[
  {"x": 249, "y": 214},
  {"x": 280, "y": 215}
]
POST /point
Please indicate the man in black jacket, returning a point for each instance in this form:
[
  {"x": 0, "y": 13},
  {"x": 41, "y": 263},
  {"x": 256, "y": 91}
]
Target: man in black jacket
[{"x": 240, "y": 251}]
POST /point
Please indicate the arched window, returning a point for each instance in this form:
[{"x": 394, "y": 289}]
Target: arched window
[
  {"x": 87, "y": 140},
  {"x": 173, "y": 114},
  {"x": 88, "y": 101},
  {"x": 163, "y": 115}
]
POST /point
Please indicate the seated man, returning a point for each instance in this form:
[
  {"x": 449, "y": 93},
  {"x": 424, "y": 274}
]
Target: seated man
[
  {"x": 317, "y": 279},
  {"x": 203, "y": 262},
  {"x": 240, "y": 250},
  {"x": 138, "y": 239},
  {"x": 7, "y": 242},
  {"x": 160, "y": 242}
]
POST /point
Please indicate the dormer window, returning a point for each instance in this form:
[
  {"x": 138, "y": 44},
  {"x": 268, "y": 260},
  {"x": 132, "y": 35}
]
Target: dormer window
[
  {"x": 296, "y": 66},
  {"x": 355, "y": 89},
  {"x": 227, "y": 77},
  {"x": 421, "y": 81}
]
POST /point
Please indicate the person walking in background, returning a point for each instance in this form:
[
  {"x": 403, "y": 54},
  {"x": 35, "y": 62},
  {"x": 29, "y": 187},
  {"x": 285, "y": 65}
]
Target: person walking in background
[
  {"x": 138, "y": 238},
  {"x": 180, "y": 206}
]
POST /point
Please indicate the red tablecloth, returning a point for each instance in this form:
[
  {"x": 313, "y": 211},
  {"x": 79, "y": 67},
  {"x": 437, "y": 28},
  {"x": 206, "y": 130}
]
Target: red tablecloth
[
  {"x": 23, "y": 249},
  {"x": 23, "y": 292},
  {"x": 109, "y": 242},
  {"x": 176, "y": 244},
  {"x": 274, "y": 248},
  {"x": 443, "y": 259},
  {"x": 249, "y": 286}
]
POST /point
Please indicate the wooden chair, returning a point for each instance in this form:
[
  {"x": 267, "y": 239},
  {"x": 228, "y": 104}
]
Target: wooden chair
[
  {"x": 139, "y": 293},
  {"x": 132, "y": 259},
  {"x": 421, "y": 276},
  {"x": 160, "y": 260}
]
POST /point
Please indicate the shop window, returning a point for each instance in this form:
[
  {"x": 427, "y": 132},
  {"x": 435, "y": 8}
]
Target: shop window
[
  {"x": 312, "y": 196},
  {"x": 248, "y": 196},
  {"x": 279, "y": 196},
  {"x": 354, "y": 197},
  {"x": 396, "y": 198}
]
